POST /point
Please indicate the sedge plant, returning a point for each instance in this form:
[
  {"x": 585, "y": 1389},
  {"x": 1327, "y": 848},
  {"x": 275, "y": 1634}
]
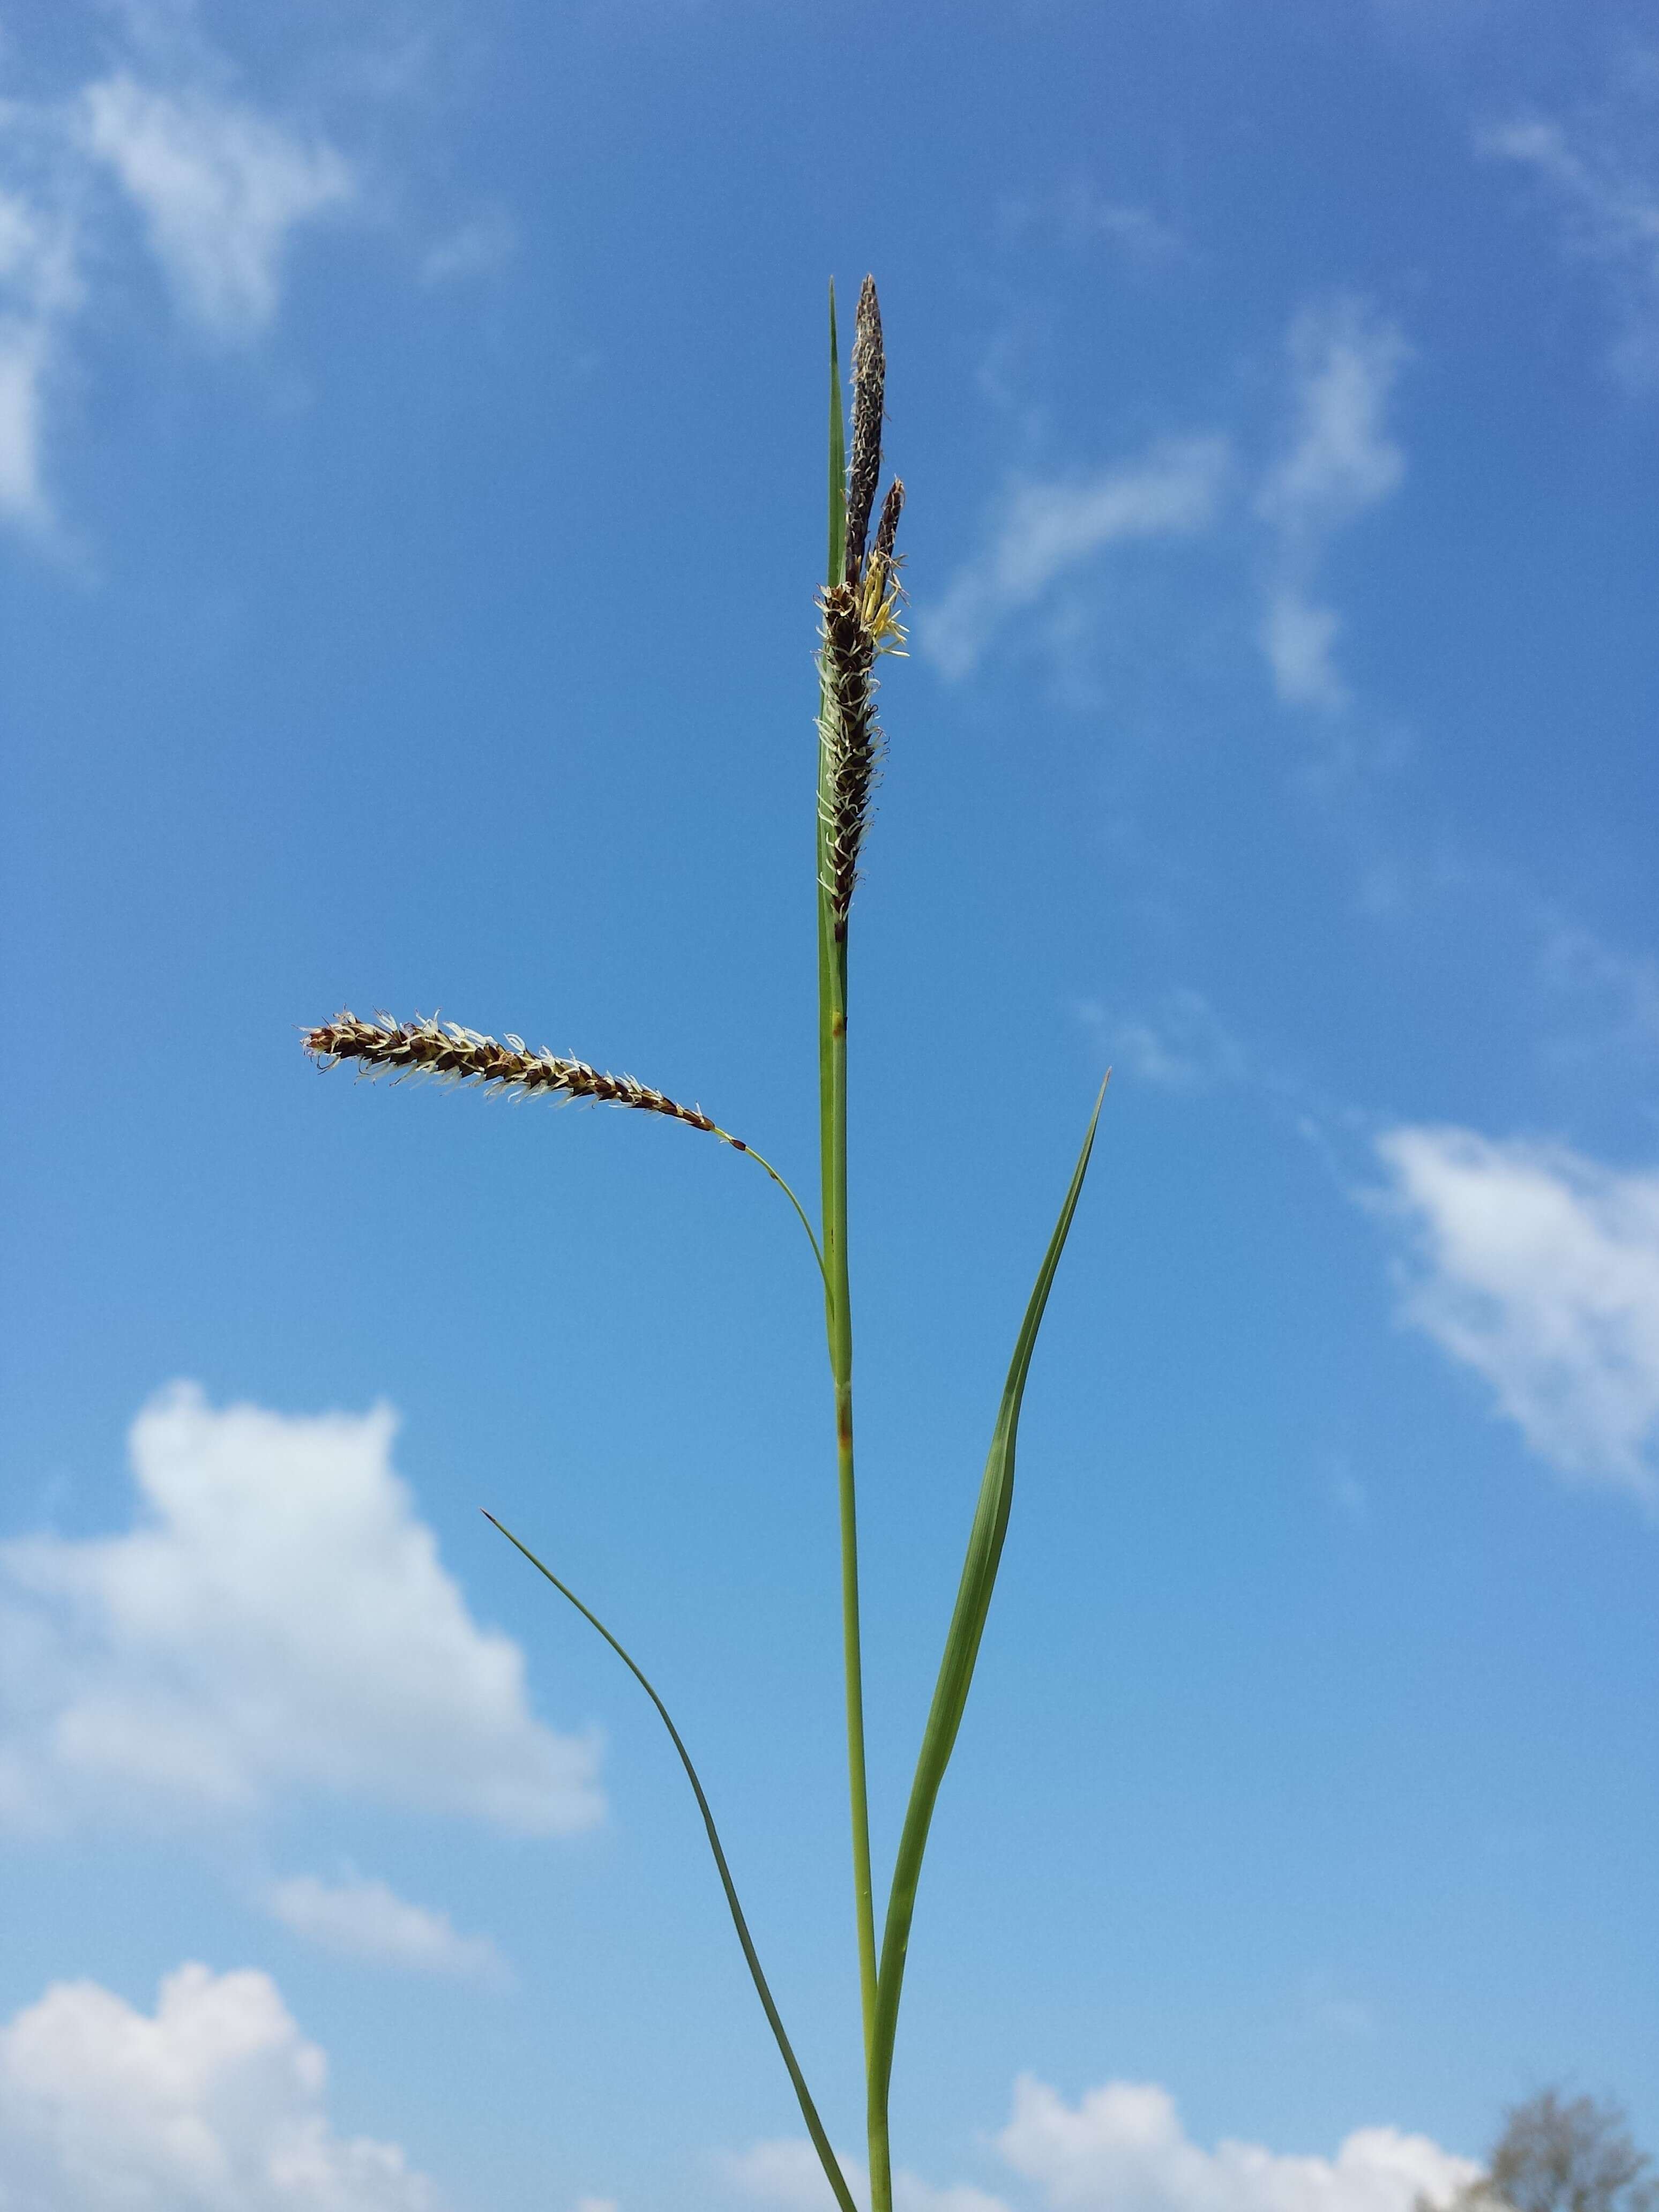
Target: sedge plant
[{"x": 859, "y": 611}]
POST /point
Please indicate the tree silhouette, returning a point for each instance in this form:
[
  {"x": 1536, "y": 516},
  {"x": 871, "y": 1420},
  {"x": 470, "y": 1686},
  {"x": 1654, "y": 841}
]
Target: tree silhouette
[{"x": 1560, "y": 2153}]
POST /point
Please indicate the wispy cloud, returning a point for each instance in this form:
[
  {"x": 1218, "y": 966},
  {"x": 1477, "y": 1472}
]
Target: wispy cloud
[
  {"x": 1538, "y": 1269},
  {"x": 369, "y": 1920},
  {"x": 482, "y": 247},
  {"x": 1044, "y": 529},
  {"x": 1338, "y": 461},
  {"x": 1600, "y": 173},
  {"x": 1079, "y": 216},
  {"x": 215, "y": 2100},
  {"x": 1123, "y": 2148},
  {"x": 1298, "y": 635},
  {"x": 1611, "y": 996},
  {"x": 220, "y": 187},
  {"x": 277, "y": 1620},
  {"x": 1181, "y": 1045},
  {"x": 163, "y": 161},
  {"x": 40, "y": 290}
]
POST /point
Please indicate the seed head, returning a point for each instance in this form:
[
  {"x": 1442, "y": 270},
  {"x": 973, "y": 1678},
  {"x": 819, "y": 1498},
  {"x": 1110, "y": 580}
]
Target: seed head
[
  {"x": 850, "y": 737},
  {"x": 864, "y": 466},
  {"x": 449, "y": 1054},
  {"x": 887, "y": 529}
]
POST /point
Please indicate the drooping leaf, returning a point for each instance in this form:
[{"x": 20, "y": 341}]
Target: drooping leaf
[{"x": 815, "y": 2126}]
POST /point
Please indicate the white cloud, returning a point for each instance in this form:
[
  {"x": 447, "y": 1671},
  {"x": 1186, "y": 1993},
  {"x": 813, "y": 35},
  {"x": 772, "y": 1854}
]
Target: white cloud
[
  {"x": 910, "y": 2195},
  {"x": 277, "y": 1620},
  {"x": 1609, "y": 997},
  {"x": 220, "y": 187},
  {"x": 1340, "y": 459},
  {"x": 1349, "y": 1495},
  {"x": 786, "y": 2174},
  {"x": 215, "y": 2103},
  {"x": 1602, "y": 177},
  {"x": 480, "y": 248},
  {"x": 1046, "y": 529},
  {"x": 1123, "y": 2148},
  {"x": 40, "y": 290},
  {"x": 1539, "y": 1269},
  {"x": 1079, "y": 216},
  {"x": 1297, "y": 637},
  {"x": 369, "y": 1920},
  {"x": 1184, "y": 1046},
  {"x": 1337, "y": 462}
]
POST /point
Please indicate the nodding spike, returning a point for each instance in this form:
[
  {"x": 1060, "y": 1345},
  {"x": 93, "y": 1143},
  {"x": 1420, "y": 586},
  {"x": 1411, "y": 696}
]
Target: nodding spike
[{"x": 453, "y": 1054}]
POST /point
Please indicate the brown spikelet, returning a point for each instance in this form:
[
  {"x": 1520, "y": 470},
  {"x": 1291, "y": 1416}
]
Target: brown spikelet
[
  {"x": 864, "y": 466},
  {"x": 452, "y": 1054},
  {"x": 852, "y": 740},
  {"x": 887, "y": 529}
]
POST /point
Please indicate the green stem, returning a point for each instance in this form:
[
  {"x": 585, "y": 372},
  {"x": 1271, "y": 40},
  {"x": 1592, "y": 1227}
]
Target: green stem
[
  {"x": 839, "y": 1310},
  {"x": 738, "y": 1145},
  {"x": 838, "y": 1317}
]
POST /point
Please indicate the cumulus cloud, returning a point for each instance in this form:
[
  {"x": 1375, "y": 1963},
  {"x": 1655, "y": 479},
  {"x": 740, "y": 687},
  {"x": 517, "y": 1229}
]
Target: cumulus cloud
[
  {"x": 1123, "y": 2148},
  {"x": 1337, "y": 461},
  {"x": 786, "y": 2174},
  {"x": 276, "y": 1620},
  {"x": 1044, "y": 529},
  {"x": 1599, "y": 174},
  {"x": 220, "y": 187},
  {"x": 367, "y": 1920},
  {"x": 215, "y": 2103},
  {"x": 1538, "y": 1269}
]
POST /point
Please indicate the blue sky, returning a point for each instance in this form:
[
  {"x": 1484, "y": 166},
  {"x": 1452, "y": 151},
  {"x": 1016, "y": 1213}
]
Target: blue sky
[{"x": 411, "y": 502}]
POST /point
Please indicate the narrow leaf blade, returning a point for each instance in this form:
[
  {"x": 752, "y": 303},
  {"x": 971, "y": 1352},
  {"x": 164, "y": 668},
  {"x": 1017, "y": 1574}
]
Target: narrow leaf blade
[
  {"x": 815, "y": 2126},
  {"x": 837, "y": 455},
  {"x": 962, "y": 1643}
]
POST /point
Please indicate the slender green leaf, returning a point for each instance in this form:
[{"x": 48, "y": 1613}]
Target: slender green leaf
[
  {"x": 837, "y": 456},
  {"x": 956, "y": 1672},
  {"x": 815, "y": 2126}
]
